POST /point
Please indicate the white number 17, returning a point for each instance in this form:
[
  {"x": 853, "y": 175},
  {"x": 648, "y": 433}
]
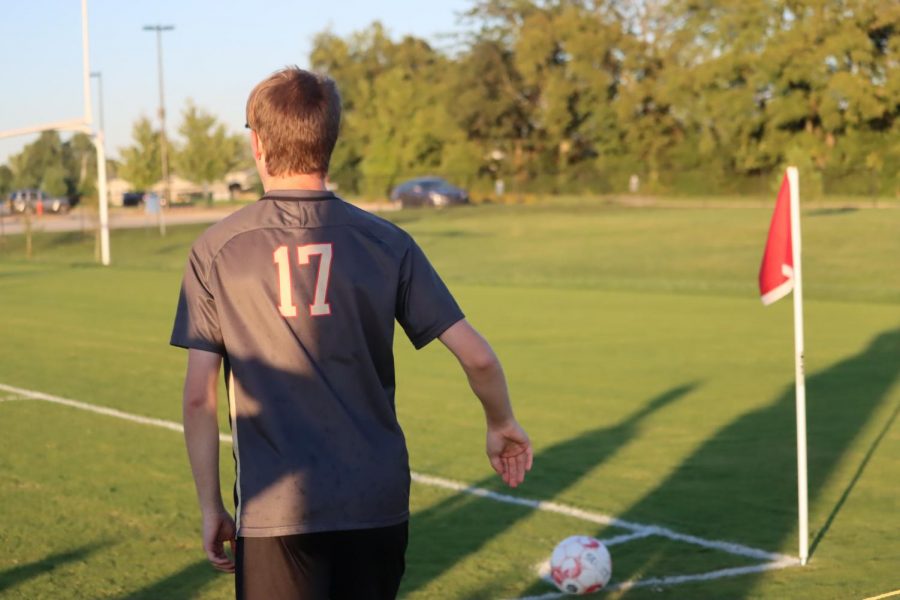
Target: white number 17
[{"x": 286, "y": 305}]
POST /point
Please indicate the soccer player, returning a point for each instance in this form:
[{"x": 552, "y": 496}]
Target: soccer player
[{"x": 298, "y": 293}]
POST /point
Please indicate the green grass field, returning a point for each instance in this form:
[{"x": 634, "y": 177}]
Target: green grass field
[{"x": 656, "y": 388}]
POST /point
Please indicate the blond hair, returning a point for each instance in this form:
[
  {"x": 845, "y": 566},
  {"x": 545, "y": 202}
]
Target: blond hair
[{"x": 297, "y": 115}]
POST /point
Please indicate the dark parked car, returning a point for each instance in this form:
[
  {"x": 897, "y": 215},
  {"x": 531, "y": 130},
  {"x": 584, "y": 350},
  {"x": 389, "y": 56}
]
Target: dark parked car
[
  {"x": 132, "y": 198},
  {"x": 428, "y": 191},
  {"x": 22, "y": 200}
]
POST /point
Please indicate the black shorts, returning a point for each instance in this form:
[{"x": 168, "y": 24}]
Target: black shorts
[{"x": 360, "y": 564}]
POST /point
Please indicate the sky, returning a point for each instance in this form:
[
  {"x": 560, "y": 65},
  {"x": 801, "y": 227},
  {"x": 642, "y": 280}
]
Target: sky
[{"x": 217, "y": 52}]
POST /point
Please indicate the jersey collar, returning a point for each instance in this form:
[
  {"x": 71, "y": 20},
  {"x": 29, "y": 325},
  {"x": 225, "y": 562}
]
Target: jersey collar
[{"x": 298, "y": 195}]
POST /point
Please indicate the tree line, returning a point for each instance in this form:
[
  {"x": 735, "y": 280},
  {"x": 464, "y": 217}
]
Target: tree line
[
  {"x": 579, "y": 96},
  {"x": 692, "y": 96}
]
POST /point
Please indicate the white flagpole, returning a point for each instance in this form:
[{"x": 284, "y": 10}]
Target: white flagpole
[{"x": 799, "y": 375}]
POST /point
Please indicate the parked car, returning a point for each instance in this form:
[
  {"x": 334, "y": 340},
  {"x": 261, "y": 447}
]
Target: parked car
[
  {"x": 22, "y": 200},
  {"x": 428, "y": 191},
  {"x": 132, "y": 198}
]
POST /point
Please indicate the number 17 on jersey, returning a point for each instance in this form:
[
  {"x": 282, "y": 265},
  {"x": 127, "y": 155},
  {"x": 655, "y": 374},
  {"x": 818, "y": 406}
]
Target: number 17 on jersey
[{"x": 320, "y": 306}]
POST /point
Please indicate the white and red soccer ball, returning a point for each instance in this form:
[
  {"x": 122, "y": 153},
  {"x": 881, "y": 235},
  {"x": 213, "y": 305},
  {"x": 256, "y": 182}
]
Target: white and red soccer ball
[{"x": 580, "y": 565}]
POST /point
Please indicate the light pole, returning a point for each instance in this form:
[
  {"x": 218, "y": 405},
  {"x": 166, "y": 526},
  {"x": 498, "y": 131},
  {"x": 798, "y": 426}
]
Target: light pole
[
  {"x": 102, "y": 131},
  {"x": 99, "y": 77},
  {"x": 164, "y": 146}
]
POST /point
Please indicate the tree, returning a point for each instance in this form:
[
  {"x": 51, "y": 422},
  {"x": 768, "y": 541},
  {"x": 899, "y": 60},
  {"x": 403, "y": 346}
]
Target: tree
[
  {"x": 396, "y": 119},
  {"x": 699, "y": 96},
  {"x": 492, "y": 110},
  {"x": 766, "y": 81},
  {"x": 6, "y": 181},
  {"x": 39, "y": 165},
  {"x": 80, "y": 162},
  {"x": 209, "y": 152},
  {"x": 409, "y": 126},
  {"x": 30, "y": 165},
  {"x": 54, "y": 180},
  {"x": 571, "y": 58},
  {"x": 833, "y": 68},
  {"x": 356, "y": 63},
  {"x": 140, "y": 162}
]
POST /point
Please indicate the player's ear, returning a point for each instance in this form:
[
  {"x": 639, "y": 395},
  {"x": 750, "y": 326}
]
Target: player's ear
[
  {"x": 259, "y": 153},
  {"x": 256, "y": 145}
]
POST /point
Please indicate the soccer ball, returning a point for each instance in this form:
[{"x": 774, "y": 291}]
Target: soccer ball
[{"x": 580, "y": 565}]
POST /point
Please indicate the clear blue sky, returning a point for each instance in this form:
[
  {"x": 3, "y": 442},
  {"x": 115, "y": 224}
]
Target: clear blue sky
[{"x": 216, "y": 54}]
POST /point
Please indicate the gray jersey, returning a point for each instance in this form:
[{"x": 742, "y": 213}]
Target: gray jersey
[{"x": 299, "y": 292}]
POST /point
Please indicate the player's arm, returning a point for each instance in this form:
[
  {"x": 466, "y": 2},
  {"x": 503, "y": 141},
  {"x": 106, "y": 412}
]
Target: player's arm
[
  {"x": 201, "y": 435},
  {"x": 508, "y": 446}
]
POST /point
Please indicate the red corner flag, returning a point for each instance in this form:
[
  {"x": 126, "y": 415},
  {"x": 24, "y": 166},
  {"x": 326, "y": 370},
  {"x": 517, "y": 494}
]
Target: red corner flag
[
  {"x": 780, "y": 274},
  {"x": 776, "y": 274}
]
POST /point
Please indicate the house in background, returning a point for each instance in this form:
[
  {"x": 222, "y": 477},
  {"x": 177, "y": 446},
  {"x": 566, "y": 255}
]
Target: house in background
[
  {"x": 116, "y": 189},
  {"x": 236, "y": 185}
]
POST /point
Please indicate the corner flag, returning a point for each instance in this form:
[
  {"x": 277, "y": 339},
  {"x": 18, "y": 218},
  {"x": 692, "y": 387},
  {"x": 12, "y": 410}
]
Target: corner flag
[
  {"x": 776, "y": 275},
  {"x": 779, "y": 274}
]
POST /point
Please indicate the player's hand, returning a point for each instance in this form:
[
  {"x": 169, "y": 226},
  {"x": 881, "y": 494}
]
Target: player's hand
[
  {"x": 509, "y": 450},
  {"x": 218, "y": 528}
]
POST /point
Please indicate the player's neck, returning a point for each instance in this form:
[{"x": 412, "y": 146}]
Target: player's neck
[{"x": 304, "y": 181}]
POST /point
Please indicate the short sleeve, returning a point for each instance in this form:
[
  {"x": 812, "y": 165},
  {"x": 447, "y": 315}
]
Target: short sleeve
[
  {"x": 425, "y": 307},
  {"x": 196, "y": 319}
]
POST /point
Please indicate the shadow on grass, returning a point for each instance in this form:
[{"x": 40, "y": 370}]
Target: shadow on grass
[
  {"x": 452, "y": 233},
  {"x": 21, "y": 573},
  {"x": 856, "y": 477},
  {"x": 825, "y": 212},
  {"x": 70, "y": 238},
  {"x": 402, "y": 217},
  {"x": 464, "y": 524},
  {"x": 186, "y": 583},
  {"x": 741, "y": 485},
  {"x": 177, "y": 247},
  {"x": 25, "y": 270}
]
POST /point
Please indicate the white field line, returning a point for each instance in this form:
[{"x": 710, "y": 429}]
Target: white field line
[
  {"x": 679, "y": 579},
  {"x": 592, "y": 517},
  {"x": 887, "y": 595},
  {"x": 543, "y": 505},
  {"x": 621, "y": 539},
  {"x": 102, "y": 410}
]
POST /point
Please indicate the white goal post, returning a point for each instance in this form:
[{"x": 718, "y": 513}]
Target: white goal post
[{"x": 83, "y": 125}]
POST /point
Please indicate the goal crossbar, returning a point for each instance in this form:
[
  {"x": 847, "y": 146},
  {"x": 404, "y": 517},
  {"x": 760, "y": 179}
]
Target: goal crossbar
[{"x": 70, "y": 125}]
